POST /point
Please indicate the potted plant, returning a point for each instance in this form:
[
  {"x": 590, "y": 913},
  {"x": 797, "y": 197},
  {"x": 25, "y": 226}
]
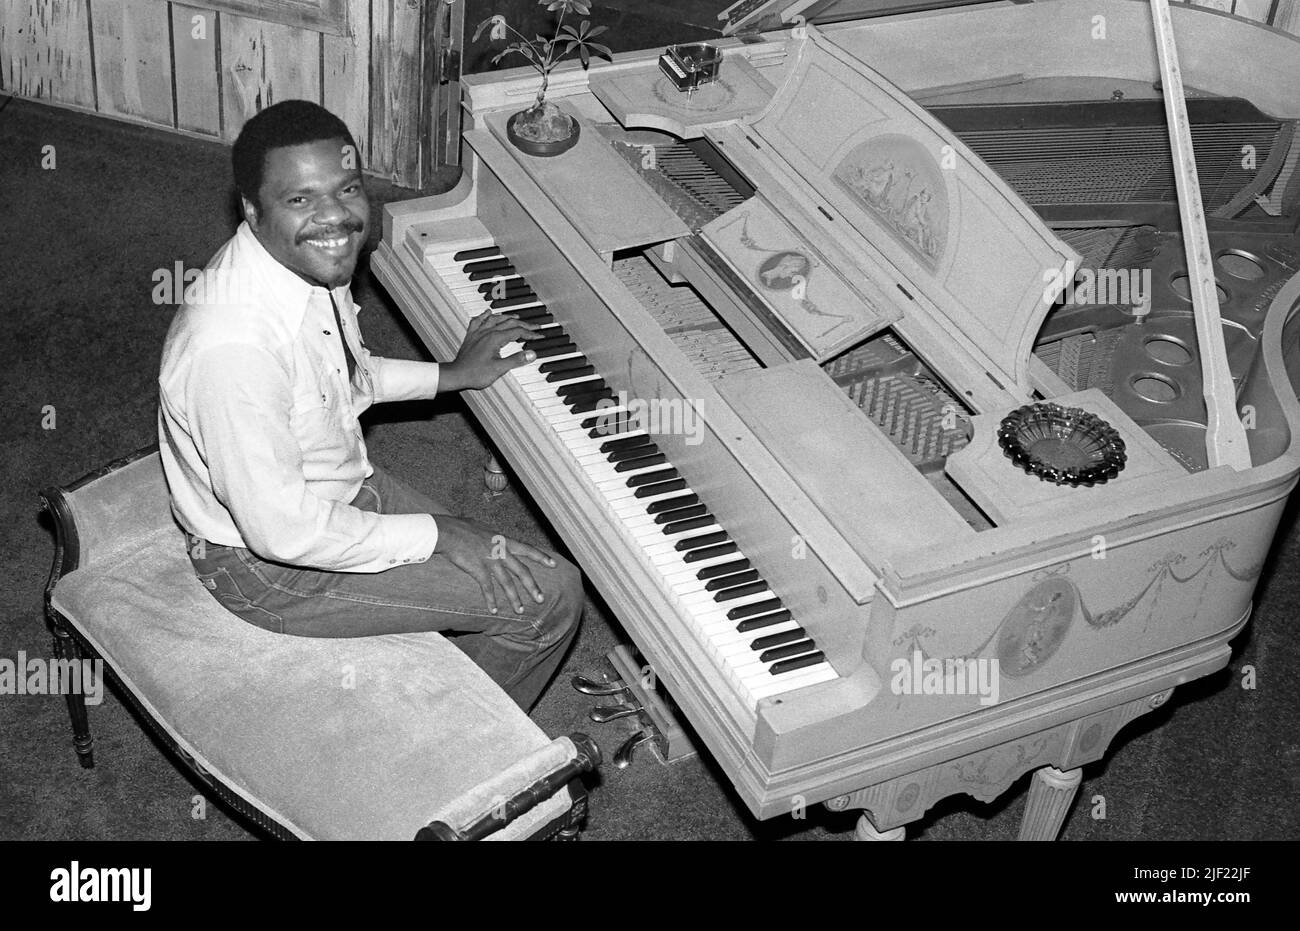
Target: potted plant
[{"x": 545, "y": 129}]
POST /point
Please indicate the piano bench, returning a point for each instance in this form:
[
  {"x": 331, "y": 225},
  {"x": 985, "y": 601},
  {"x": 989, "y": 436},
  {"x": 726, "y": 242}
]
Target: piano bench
[{"x": 385, "y": 737}]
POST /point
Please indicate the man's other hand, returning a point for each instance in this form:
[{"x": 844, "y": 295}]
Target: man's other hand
[
  {"x": 479, "y": 362},
  {"x": 495, "y": 561}
]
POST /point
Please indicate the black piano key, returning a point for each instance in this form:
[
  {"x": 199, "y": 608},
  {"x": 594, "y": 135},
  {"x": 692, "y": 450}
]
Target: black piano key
[
  {"x": 568, "y": 380},
  {"x": 775, "y": 640},
  {"x": 555, "y": 351},
  {"x": 758, "y": 607},
  {"x": 659, "y": 488},
  {"x": 583, "y": 403},
  {"x": 504, "y": 269},
  {"x": 589, "y": 386},
  {"x": 702, "y": 541},
  {"x": 787, "y": 651},
  {"x": 546, "y": 342},
  {"x": 487, "y": 261},
  {"x": 576, "y": 371},
  {"x": 672, "y": 504},
  {"x": 518, "y": 300},
  {"x": 740, "y": 591},
  {"x": 799, "y": 662},
  {"x": 488, "y": 268},
  {"x": 564, "y": 365},
  {"x": 641, "y": 462},
  {"x": 536, "y": 315},
  {"x": 631, "y": 448},
  {"x": 724, "y": 568},
  {"x": 691, "y": 523},
  {"x": 500, "y": 290},
  {"x": 608, "y": 426},
  {"x": 626, "y": 442},
  {"x": 767, "y": 620},
  {"x": 730, "y": 581},
  {"x": 601, "y": 389},
  {"x": 470, "y": 255},
  {"x": 652, "y": 478},
  {"x": 667, "y": 517},
  {"x": 709, "y": 552}
]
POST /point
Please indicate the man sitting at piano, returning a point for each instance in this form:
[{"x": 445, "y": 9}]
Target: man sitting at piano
[{"x": 290, "y": 525}]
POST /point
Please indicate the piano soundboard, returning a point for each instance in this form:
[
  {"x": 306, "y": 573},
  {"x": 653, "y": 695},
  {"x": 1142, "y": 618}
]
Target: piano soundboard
[{"x": 785, "y": 320}]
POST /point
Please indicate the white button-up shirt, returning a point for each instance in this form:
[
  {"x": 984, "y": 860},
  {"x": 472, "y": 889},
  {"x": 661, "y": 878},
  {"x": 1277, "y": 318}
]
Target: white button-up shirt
[{"x": 257, "y": 422}]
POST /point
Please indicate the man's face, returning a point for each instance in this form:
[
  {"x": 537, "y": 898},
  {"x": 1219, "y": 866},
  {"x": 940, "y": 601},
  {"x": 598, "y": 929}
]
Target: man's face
[{"x": 314, "y": 211}]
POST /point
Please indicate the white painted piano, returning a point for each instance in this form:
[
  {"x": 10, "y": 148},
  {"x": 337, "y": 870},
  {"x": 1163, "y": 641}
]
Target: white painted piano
[{"x": 785, "y": 316}]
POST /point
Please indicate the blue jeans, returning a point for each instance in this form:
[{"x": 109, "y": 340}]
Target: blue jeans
[{"x": 521, "y": 652}]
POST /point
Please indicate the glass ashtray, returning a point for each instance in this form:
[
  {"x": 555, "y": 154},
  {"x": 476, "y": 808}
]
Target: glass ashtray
[{"x": 1062, "y": 445}]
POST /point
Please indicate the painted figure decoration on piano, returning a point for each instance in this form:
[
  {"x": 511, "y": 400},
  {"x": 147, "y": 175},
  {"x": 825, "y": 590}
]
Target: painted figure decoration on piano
[
  {"x": 544, "y": 129},
  {"x": 904, "y": 189},
  {"x": 291, "y": 526}
]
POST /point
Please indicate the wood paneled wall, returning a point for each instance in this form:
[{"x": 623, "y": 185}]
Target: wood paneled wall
[{"x": 204, "y": 72}]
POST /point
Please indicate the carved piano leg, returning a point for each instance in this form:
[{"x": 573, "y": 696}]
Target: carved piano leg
[
  {"x": 494, "y": 477},
  {"x": 866, "y": 830},
  {"x": 1051, "y": 793}
]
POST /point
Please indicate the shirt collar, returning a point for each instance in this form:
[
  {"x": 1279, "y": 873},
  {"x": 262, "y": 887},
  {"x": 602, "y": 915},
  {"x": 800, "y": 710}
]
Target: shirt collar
[{"x": 286, "y": 293}]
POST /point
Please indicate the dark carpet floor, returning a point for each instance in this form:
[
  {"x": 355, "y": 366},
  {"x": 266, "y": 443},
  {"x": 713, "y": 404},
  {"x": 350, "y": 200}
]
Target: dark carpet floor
[{"x": 78, "y": 245}]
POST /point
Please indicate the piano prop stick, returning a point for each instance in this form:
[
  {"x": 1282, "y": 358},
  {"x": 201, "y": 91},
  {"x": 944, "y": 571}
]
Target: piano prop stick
[{"x": 1225, "y": 437}]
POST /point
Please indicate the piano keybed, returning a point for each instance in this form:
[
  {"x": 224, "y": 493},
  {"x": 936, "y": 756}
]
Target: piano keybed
[{"x": 749, "y": 634}]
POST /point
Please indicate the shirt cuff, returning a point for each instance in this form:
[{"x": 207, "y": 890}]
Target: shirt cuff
[
  {"x": 404, "y": 379},
  {"x": 411, "y": 538}
]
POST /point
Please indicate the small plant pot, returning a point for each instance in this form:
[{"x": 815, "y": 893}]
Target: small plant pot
[{"x": 538, "y": 148}]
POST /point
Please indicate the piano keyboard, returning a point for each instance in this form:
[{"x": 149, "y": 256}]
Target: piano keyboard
[{"x": 748, "y": 633}]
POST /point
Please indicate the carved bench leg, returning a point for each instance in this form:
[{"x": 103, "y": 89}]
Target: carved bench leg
[
  {"x": 1051, "y": 793},
  {"x": 866, "y": 830},
  {"x": 494, "y": 477},
  {"x": 65, "y": 648}
]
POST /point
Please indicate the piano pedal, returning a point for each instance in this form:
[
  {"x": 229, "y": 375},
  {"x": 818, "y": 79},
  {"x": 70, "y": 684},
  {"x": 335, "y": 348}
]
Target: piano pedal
[
  {"x": 606, "y": 713},
  {"x": 623, "y": 756},
  {"x": 668, "y": 737},
  {"x": 589, "y": 686},
  {"x": 494, "y": 477}
]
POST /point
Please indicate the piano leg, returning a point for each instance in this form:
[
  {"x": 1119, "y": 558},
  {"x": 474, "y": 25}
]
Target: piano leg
[
  {"x": 494, "y": 477},
  {"x": 1051, "y": 793},
  {"x": 866, "y": 830}
]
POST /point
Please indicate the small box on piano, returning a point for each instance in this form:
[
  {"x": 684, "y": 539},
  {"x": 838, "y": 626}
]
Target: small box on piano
[{"x": 689, "y": 66}]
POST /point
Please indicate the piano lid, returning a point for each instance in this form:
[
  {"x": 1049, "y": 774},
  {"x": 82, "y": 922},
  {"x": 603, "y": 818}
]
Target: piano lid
[
  {"x": 921, "y": 202},
  {"x": 757, "y": 15}
]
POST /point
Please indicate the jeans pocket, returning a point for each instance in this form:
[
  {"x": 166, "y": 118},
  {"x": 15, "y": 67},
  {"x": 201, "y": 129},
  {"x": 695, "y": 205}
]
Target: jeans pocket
[{"x": 223, "y": 587}]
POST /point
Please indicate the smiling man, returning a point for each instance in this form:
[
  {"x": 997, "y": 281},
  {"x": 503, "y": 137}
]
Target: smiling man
[{"x": 290, "y": 525}]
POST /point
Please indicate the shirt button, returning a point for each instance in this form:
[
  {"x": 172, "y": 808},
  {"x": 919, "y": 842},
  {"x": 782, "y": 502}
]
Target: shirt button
[{"x": 392, "y": 562}]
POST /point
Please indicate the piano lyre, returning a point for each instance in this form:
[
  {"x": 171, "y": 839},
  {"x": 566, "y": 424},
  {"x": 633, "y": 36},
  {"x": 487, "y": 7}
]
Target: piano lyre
[{"x": 785, "y": 319}]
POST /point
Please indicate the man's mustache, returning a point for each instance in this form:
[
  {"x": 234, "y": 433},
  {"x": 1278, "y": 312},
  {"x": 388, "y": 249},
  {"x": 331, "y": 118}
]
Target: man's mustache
[{"x": 346, "y": 230}]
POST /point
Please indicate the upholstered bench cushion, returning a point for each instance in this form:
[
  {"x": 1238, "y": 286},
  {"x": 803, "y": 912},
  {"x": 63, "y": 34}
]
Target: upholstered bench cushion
[{"x": 365, "y": 738}]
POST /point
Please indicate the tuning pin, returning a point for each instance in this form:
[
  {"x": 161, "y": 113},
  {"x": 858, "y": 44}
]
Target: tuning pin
[
  {"x": 609, "y": 713},
  {"x": 623, "y": 756},
  {"x": 588, "y": 686}
]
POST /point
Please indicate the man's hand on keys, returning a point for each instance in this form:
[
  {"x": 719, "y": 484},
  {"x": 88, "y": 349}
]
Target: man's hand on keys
[{"x": 491, "y": 348}]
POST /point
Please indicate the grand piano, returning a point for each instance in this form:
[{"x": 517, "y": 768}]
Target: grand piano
[{"x": 798, "y": 320}]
